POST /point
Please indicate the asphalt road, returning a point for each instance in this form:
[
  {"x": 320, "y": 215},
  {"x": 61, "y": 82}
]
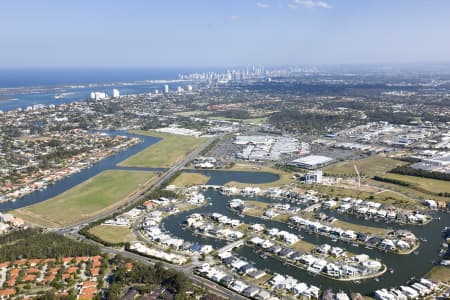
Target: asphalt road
[
  {"x": 72, "y": 231},
  {"x": 148, "y": 189}
]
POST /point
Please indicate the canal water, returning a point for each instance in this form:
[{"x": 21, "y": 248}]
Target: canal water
[
  {"x": 68, "y": 182},
  {"x": 217, "y": 177},
  {"x": 405, "y": 266}
]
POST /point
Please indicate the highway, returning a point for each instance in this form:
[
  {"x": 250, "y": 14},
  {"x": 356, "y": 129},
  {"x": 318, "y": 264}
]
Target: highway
[
  {"x": 152, "y": 186},
  {"x": 72, "y": 231}
]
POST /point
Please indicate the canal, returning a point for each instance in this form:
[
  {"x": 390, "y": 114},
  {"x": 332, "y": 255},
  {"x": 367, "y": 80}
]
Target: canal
[
  {"x": 69, "y": 182},
  {"x": 405, "y": 266}
]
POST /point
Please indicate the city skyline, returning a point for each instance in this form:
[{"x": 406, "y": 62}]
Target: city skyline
[{"x": 226, "y": 33}]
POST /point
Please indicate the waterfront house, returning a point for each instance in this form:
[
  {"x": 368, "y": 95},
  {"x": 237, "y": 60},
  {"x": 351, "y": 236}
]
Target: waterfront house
[
  {"x": 250, "y": 292},
  {"x": 409, "y": 292},
  {"x": 262, "y": 295},
  {"x": 387, "y": 244},
  {"x": 307, "y": 259},
  {"x": 341, "y": 296},
  {"x": 238, "y": 286},
  {"x": 299, "y": 288},
  {"x": 383, "y": 294},
  {"x": 337, "y": 252},
  {"x": 324, "y": 249},
  {"x": 333, "y": 270},
  {"x": 276, "y": 280},
  {"x": 317, "y": 266},
  {"x": 349, "y": 271},
  {"x": 256, "y": 274},
  {"x": 312, "y": 292},
  {"x": 398, "y": 294}
]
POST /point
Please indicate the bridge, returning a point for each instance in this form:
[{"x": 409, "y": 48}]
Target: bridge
[
  {"x": 213, "y": 187},
  {"x": 313, "y": 207},
  {"x": 231, "y": 246}
]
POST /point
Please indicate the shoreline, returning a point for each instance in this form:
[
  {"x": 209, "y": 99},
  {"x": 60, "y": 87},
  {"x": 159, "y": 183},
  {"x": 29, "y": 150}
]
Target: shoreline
[
  {"x": 287, "y": 261},
  {"x": 416, "y": 246},
  {"x": 73, "y": 170}
]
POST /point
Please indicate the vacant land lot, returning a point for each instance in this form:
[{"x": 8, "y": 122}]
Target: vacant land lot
[
  {"x": 385, "y": 197},
  {"x": 431, "y": 185},
  {"x": 187, "y": 179},
  {"x": 113, "y": 234},
  {"x": 360, "y": 228},
  {"x": 165, "y": 153},
  {"x": 371, "y": 166},
  {"x": 439, "y": 273},
  {"x": 304, "y": 246},
  {"x": 104, "y": 192}
]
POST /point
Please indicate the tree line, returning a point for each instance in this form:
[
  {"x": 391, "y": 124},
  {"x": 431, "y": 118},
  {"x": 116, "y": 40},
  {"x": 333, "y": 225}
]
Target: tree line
[
  {"x": 146, "y": 278},
  {"x": 406, "y": 170},
  {"x": 34, "y": 243}
]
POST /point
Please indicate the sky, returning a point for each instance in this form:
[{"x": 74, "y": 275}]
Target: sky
[{"x": 218, "y": 33}]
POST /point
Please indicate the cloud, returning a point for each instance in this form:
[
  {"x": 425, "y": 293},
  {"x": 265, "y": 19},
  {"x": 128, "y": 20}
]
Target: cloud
[
  {"x": 233, "y": 18},
  {"x": 309, "y": 4},
  {"x": 262, "y": 5}
]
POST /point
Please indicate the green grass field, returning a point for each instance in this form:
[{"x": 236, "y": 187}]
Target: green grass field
[
  {"x": 255, "y": 121},
  {"x": 165, "y": 153},
  {"x": 371, "y": 166},
  {"x": 410, "y": 192},
  {"x": 106, "y": 191},
  {"x": 193, "y": 113},
  {"x": 431, "y": 185},
  {"x": 207, "y": 114},
  {"x": 113, "y": 234},
  {"x": 188, "y": 179},
  {"x": 304, "y": 246}
]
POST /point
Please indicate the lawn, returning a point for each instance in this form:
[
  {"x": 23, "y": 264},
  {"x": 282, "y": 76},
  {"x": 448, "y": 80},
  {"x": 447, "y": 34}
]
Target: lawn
[
  {"x": 113, "y": 234},
  {"x": 431, "y": 185},
  {"x": 371, "y": 166},
  {"x": 304, "y": 246},
  {"x": 188, "y": 179},
  {"x": 408, "y": 191},
  {"x": 255, "y": 121},
  {"x": 106, "y": 191},
  {"x": 256, "y": 204},
  {"x": 360, "y": 228},
  {"x": 285, "y": 178},
  {"x": 165, "y": 153},
  {"x": 255, "y": 212}
]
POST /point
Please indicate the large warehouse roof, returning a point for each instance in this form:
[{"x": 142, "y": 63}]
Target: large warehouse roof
[{"x": 311, "y": 161}]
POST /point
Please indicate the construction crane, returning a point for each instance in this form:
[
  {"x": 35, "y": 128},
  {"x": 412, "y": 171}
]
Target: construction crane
[{"x": 357, "y": 174}]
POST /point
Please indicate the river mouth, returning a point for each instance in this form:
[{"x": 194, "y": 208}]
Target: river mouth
[{"x": 405, "y": 267}]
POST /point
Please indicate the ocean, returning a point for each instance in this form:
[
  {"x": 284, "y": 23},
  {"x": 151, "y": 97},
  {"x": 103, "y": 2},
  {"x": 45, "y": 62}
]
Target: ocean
[{"x": 21, "y": 88}]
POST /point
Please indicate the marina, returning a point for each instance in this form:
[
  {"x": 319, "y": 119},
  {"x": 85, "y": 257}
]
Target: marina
[{"x": 398, "y": 271}]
